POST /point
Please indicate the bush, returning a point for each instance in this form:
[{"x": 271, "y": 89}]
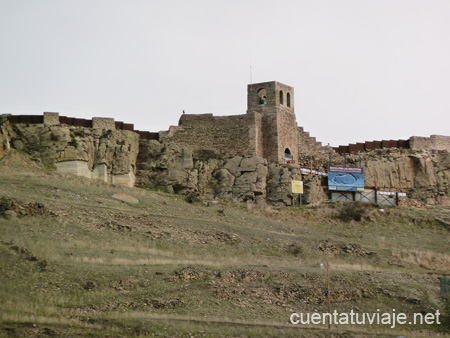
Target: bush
[
  {"x": 73, "y": 142},
  {"x": 295, "y": 249},
  {"x": 356, "y": 211}
]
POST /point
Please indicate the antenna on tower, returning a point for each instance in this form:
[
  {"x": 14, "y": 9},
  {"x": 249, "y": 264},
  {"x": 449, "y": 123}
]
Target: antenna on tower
[{"x": 251, "y": 79}]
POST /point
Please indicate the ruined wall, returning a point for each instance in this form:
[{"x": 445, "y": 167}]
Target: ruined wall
[
  {"x": 51, "y": 119},
  {"x": 313, "y": 154},
  {"x": 103, "y": 123},
  {"x": 232, "y": 135},
  {"x": 434, "y": 142}
]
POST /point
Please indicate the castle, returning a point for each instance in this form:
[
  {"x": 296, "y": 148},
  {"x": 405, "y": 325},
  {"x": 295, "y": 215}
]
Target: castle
[
  {"x": 268, "y": 129},
  {"x": 250, "y": 156}
]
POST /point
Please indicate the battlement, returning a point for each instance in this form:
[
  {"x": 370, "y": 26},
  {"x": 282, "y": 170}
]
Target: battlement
[
  {"x": 434, "y": 142},
  {"x": 53, "y": 119},
  {"x": 371, "y": 145}
]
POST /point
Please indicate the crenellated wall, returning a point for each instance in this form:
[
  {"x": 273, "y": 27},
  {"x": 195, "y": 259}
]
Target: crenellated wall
[
  {"x": 434, "y": 142},
  {"x": 313, "y": 154},
  {"x": 52, "y": 119}
]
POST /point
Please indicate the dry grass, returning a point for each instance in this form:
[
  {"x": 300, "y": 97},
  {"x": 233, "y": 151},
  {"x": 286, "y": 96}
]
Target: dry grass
[
  {"x": 246, "y": 262},
  {"x": 425, "y": 259}
]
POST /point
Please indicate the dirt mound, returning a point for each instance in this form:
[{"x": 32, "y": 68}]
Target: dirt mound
[
  {"x": 288, "y": 294},
  {"x": 23, "y": 208},
  {"x": 331, "y": 247},
  {"x": 127, "y": 283},
  {"x": 189, "y": 273},
  {"x": 164, "y": 303}
]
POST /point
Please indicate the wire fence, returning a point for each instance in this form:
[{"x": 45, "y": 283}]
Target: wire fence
[
  {"x": 445, "y": 286},
  {"x": 370, "y": 196}
]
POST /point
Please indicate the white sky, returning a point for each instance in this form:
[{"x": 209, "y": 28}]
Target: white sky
[{"x": 362, "y": 70}]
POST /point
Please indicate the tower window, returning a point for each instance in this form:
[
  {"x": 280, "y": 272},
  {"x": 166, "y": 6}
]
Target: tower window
[
  {"x": 288, "y": 99},
  {"x": 262, "y": 99},
  {"x": 281, "y": 97},
  {"x": 287, "y": 155}
]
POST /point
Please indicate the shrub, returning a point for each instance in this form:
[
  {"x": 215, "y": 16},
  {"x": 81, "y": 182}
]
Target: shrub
[
  {"x": 73, "y": 142},
  {"x": 356, "y": 211},
  {"x": 295, "y": 249}
]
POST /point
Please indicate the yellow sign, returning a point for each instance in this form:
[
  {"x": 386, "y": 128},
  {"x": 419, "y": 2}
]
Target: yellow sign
[{"x": 297, "y": 187}]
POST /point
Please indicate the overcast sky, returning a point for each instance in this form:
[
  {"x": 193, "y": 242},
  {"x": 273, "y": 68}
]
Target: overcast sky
[{"x": 361, "y": 70}]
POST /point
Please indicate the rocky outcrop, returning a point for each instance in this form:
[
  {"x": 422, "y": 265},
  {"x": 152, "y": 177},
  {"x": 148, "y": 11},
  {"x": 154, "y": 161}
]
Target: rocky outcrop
[
  {"x": 279, "y": 183},
  {"x": 315, "y": 190},
  {"x": 175, "y": 169},
  {"x": 115, "y": 156},
  {"x": 109, "y": 155},
  {"x": 424, "y": 175},
  {"x": 5, "y": 130}
]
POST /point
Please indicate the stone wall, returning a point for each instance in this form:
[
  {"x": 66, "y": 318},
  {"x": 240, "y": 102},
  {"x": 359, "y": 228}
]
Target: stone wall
[
  {"x": 287, "y": 134},
  {"x": 51, "y": 119},
  {"x": 231, "y": 135},
  {"x": 313, "y": 154},
  {"x": 434, "y": 142},
  {"x": 103, "y": 123},
  {"x": 256, "y": 135}
]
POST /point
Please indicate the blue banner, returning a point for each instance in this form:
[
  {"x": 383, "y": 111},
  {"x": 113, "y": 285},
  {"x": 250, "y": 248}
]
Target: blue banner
[{"x": 345, "y": 179}]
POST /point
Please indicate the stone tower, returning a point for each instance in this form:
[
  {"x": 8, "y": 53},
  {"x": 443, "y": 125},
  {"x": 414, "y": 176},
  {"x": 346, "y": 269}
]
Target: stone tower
[{"x": 275, "y": 102}]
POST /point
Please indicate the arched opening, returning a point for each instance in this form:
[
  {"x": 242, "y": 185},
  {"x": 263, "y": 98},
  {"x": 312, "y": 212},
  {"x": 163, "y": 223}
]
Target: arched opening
[
  {"x": 287, "y": 155},
  {"x": 281, "y": 97},
  {"x": 262, "y": 99},
  {"x": 288, "y": 99}
]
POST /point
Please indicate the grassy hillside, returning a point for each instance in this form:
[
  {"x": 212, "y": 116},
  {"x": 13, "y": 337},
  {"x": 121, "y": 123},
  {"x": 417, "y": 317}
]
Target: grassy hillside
[{"x": 76, "y": 262}]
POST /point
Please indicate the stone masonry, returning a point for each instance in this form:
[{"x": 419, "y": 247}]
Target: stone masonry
[
  {"x": 51, "y": 119},
  {"x": 103, "y": 123},
  {"x": 268, "y": 129}
]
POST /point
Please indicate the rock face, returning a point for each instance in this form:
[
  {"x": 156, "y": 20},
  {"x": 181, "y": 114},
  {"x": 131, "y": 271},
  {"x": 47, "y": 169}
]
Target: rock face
[
  {"x": 175, "y": 169},
  {"x": 5, "y": 129},
  {"x": 109, "y": 155},
  {"x": 424, "y": 175}
]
